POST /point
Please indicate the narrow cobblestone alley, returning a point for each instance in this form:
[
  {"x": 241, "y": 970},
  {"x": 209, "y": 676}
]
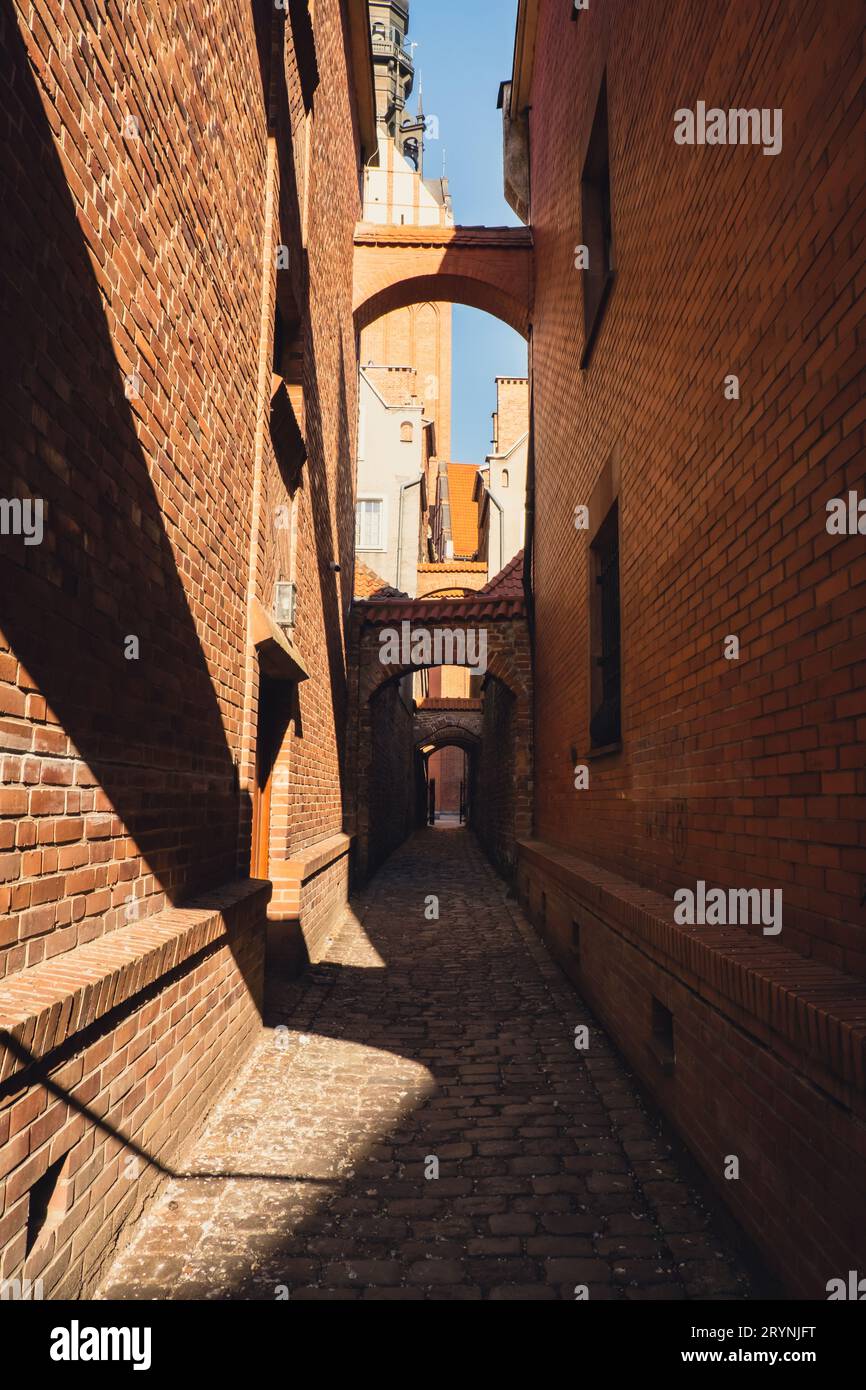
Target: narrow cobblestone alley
[{"x": 415, "y": 1039}]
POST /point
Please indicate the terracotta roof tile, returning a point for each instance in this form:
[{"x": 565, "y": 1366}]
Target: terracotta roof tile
[
  {"x": 464, "y": 508},
  {"x": 425, "y": 612},
  {"x": 508, "y": 583},
  {"x": 498, "y": 601},
  {"x": 368, "y": 584},
  {"x": 501, "y": 599}
]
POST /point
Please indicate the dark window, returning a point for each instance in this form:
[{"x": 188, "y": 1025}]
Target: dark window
[
  {"x": 305, "y": 49},
  {"x": 597, "y": 232},
  {"x": 605, "y": 724}
]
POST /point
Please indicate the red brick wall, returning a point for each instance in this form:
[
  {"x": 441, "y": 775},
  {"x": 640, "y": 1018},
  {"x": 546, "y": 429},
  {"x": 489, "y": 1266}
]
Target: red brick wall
[
  {"x": 129, "y": 778},
  {"x": 120, "y": 1101},
  {"x": 493, "y": 792},
  {"x": 118, "y": 776},
  {"x": 449, "y": 682},
  {"x": 392, "y": 785},
  {"x": 727, "y": 261},
  {"x": 372, "y": 781},
  {"x": 418, "y": 336},
  {"x": 322, "y": 272},
  {"x": 448, "y": 766},
  {"x": 125, "y": 785},
  {"x": 321, "y": 892},
  {"x": 450, "y": 578},
  {"x": 735, "y": 1086},
  {"x": 308, "y": 896},
  {"x": 512, "y": 412}
]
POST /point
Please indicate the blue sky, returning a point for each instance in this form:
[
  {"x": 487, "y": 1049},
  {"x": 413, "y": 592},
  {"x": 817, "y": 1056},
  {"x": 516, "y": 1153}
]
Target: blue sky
[{"x": 464, "y": 51}]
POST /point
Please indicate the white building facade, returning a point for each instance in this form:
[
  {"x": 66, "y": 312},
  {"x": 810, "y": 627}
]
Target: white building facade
[{"x": 391, "y": 488}]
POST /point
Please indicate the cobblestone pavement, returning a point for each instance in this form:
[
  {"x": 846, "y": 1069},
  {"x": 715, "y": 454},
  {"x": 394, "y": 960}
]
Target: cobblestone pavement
[{"x": 412, "y": 1040}]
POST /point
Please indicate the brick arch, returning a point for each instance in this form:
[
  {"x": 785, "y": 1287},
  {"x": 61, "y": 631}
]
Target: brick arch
[
  {"x": 451, "y": 728},
  {"x": 508, "y": 662},
  {"x": 487, "y": 268},
  {"x": 507, "y": 640},
  {"x": 454, "y": 738},
  {"x": 498, "y": 665},
  {"x": 458, "y": 592},
  {"x": 453, "y": 289}
]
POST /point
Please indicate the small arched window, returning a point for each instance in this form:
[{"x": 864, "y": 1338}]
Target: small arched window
[
  {"x": 407, "y": 432},
  {"x": 505, "y": 477}
]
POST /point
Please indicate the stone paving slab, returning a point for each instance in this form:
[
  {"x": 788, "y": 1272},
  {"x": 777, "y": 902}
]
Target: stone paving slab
[{"x": 413, "y": 1047}]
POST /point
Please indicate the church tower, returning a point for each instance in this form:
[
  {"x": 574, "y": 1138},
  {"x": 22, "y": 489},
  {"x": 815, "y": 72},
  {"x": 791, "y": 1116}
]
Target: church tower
[
  {"x": 393, "y": 66},
  {"x": 396, "y": 193}
]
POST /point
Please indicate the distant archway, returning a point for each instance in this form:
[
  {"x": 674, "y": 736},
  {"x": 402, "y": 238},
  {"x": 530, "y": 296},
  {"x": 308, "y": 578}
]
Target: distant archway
[
  {"x": 450, "y": 775},
  {"x": 387, "y": 778},
  {"x": 438, "y": 727}
]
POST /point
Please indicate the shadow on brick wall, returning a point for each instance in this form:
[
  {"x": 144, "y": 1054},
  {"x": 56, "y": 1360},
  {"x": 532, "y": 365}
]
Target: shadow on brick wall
[{"x": 150, "y": 730}]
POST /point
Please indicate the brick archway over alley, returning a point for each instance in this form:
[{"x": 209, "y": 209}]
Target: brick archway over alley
[
  {"x": 384, "y": 774},
  {"x": 462, "y": 728},
  {"x": 414, "y": 1040},
  {"x": 488, "y": 268}
]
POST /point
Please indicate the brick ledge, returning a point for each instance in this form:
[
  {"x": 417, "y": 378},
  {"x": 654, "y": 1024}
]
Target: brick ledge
[
  {"x": 306, "y": 862},
  {"x": 816, "y": 1008},
  {"x": 43, "y": 1006}
]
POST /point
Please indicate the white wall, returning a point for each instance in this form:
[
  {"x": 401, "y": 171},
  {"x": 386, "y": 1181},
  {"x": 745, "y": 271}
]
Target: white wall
[
  {"x": 397, "y": 175},
  {"x": 385, "y": 463},
  {"x": 512, "y": 500}
]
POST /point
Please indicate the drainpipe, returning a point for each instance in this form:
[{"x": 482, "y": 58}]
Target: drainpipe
[
  {"x": 415, "y": 482},
  {"x": 443, "y": 499},
  {"x": 501, "y": 531},
  {"x": 529, "y": 536}
]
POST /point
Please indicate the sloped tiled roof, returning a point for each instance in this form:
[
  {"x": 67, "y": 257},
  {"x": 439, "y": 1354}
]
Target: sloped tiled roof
[
  {"x": 368, "y": 584},
  {"x": 509, "y": 581},
  {"x": 501, "y": 599},
  {"x": 464, "y": 508}
]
